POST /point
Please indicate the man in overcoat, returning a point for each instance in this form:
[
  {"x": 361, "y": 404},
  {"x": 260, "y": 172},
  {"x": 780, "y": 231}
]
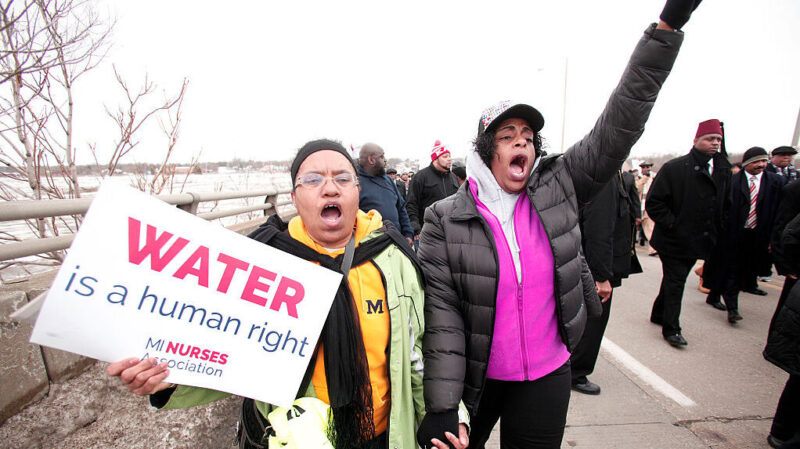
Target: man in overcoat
[
  {"x": 742, "y": 248},
  {"x": 607, "y": 226},
  {"x": 686, "y": 202}
]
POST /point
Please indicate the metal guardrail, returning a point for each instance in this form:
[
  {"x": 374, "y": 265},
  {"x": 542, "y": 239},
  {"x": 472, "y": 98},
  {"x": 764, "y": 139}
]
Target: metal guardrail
[{"x": 34, "y": 209}]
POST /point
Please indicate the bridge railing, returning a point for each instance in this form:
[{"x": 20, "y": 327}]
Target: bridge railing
[{"x": 36, "y": 209}]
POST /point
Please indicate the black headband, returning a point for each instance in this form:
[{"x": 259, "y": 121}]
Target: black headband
[{"x": 318, "y": 145}]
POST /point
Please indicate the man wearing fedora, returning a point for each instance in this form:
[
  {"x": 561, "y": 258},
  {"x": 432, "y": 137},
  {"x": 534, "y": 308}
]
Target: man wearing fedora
[
  {"x": 742, "y": 247},
  {"x": 686, "y": 203},
  {"x": 781, "y": 163}
]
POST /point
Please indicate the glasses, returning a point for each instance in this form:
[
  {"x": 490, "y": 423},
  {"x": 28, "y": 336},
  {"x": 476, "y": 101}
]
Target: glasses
[{"x": 316, "y": 180}]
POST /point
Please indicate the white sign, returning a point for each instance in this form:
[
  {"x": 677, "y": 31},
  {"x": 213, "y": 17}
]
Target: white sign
[{"x": 145, "y": 279}]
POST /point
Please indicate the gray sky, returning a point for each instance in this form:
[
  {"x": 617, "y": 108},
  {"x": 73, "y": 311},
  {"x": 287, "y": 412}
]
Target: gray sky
[{"x": 265, "y": 77}]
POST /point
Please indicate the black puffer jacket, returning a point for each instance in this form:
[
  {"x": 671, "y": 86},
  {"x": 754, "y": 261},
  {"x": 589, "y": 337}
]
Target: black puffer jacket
[
  {"x": 457, "y": 249},
  {"x": 782, "y": 348}
]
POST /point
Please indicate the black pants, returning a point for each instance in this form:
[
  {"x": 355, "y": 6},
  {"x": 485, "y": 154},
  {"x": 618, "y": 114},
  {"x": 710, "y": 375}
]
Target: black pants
[
  {"x": 787, "y": 416},
  {"x": 727, "y": 286},
  {"x": 749, "y": 260},
  {"x": 585, "y": 354},
  {"x": 667, "y": 306},
  {"x": 532, "y": 413}
]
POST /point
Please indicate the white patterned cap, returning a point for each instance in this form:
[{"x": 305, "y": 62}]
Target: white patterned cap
[{"x": 506, "y": 109}]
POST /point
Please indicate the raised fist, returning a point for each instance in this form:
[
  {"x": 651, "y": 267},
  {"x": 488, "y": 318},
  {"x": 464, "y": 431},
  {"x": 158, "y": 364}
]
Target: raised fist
[{"x": 677, "y": 12}]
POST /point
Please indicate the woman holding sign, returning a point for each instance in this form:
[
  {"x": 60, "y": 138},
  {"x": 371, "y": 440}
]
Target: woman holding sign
[
  {"x": 368, "y": 365},
  {"x": 508, "y": 289}
]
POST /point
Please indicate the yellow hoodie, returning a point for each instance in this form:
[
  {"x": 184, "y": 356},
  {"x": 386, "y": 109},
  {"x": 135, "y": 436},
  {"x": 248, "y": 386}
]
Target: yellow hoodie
[{"x": 370, "y": 298}]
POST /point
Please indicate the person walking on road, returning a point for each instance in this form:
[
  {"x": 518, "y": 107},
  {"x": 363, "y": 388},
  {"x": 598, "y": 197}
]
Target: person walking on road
[
  {"x": 379, "y": 192},
  {"x": 608, "y": 229},
  {"x": 402, "y": 185},
  {"x": 781, "y": 163},
  {"x": 686, "y": 202},
  {"x": 744, "y": 242},
  {"x": 509, "y": 291},
  {"x": 784, "y": 331},
  {"x": 430, "y": 185},
  {"x": 360, "y": 346}
]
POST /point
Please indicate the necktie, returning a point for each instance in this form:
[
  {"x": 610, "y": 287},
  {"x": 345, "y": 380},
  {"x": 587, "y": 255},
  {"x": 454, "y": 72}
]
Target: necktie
[{"x": 751, "y": 217}]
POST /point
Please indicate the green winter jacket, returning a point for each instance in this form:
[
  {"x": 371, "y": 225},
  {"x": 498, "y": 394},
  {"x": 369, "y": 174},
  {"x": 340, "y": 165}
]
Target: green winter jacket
[{"x": 404, "y": 299}]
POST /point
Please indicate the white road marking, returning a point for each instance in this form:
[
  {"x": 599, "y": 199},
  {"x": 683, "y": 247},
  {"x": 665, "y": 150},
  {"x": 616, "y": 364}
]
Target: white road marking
[{"x": 646, "y": 374}]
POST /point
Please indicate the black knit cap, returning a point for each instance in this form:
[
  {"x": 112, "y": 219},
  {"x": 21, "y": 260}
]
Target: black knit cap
[
  {"x": 318, "y": 145},
  {"x": 754, "y": 154}
]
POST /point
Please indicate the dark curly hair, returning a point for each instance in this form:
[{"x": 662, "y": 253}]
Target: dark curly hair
[{"x": 485, "y": 146}]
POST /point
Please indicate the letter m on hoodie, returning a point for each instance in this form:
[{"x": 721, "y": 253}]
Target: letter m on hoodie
[{"x": 152, "y": 247}]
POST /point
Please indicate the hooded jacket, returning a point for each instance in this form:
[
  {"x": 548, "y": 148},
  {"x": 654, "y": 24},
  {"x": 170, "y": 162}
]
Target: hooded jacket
[{"x": 459, "y": 251}]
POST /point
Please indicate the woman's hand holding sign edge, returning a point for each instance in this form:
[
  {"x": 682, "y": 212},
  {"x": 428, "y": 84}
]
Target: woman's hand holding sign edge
[{"x": 142, "y": 377}]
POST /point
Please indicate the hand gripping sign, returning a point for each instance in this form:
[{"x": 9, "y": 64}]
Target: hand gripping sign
[{"x": 225, "y": 312}]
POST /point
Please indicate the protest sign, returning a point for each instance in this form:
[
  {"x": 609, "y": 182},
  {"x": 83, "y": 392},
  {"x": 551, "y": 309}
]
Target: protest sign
[{"x": 145, "y": 279}]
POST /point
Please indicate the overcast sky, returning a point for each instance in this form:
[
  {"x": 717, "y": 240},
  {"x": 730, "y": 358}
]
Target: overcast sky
[{"x": 265, "y": 77}]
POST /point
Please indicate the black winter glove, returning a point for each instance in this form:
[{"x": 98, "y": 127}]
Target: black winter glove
[
  {"x": 434, "y": 425},
  {"x": 677, "y": 12}
]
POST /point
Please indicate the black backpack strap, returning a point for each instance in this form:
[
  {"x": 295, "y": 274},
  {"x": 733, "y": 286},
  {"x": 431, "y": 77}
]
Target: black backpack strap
[{"x": 252, "y": 426}]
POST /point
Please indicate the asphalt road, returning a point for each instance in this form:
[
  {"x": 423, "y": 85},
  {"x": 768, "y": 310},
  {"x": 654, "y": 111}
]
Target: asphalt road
[{"x": 717, "y": 392}]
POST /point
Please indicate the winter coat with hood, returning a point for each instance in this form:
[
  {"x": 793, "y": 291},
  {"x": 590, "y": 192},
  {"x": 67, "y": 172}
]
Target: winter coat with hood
[{"x": 459, "y": 250}]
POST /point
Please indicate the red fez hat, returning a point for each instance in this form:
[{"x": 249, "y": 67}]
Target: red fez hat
[{"x": 712, "y": 126}]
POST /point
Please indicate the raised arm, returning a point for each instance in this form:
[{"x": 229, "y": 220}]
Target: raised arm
[{"x": 594, "y": 159}]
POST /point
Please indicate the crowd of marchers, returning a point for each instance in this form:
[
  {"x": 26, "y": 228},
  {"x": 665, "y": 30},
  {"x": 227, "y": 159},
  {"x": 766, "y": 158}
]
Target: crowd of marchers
[{"x": 497, "y": 275}]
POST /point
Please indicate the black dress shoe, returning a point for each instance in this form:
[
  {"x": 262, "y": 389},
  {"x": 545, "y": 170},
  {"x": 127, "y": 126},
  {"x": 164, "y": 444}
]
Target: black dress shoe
[
  {"x": 716, "y": 304},
  {"x": 586, "y": 387},
  {"x": 733, "y": 316},
  {"x": 774, "y": 442},
  {"x": 755, "y": 291},
  {"x": 676, "y": 340}
]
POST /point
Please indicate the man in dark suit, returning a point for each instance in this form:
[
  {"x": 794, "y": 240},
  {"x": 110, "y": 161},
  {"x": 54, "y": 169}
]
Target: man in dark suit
[
  {"x": 686, "y": 202},
  {"x": 754, "y": 197},
  {"x": 607, "y": 228},
  {"x": 782, "y": 163}
]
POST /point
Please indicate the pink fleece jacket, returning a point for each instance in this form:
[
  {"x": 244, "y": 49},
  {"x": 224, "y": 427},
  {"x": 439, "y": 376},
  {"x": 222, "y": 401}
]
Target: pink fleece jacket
[{"x": 525, "y": 344}]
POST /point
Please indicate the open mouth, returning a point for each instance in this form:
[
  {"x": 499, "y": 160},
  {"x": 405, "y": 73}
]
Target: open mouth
[
  {"x": 517, "y": 166},
  {"x": 331, "y": 213}
]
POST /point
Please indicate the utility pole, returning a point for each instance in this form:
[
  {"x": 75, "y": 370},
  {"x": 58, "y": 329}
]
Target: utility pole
[
  {"x": 564, "y": 108},
  {"x": 796, "y": 136}
]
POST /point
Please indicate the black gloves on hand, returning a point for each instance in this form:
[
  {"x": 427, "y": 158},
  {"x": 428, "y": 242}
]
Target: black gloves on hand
[
  {"x": 677, "y": 12},
  {"x": 434, "y": 425}
]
